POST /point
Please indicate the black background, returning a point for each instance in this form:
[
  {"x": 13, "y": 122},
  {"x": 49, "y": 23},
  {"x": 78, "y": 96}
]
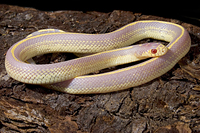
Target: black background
[{"x": 187, "y": 11}]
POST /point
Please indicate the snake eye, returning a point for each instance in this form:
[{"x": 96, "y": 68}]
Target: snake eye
[{"x": 153, "y": 51}]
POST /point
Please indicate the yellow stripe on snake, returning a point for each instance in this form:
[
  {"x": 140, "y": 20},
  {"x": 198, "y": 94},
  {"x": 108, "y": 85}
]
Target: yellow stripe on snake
[{"x": 69, "y": 76}]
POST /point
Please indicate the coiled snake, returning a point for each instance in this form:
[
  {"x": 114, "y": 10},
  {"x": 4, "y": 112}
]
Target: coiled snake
[{"x": 66, "y": 76}]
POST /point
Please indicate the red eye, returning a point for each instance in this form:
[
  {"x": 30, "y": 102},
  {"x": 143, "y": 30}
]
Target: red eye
[{"x": 153, "y": 51}]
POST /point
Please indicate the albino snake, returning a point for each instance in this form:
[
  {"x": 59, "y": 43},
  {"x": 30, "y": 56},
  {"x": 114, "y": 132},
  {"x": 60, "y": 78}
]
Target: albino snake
[{"x": 66, "y": 76}]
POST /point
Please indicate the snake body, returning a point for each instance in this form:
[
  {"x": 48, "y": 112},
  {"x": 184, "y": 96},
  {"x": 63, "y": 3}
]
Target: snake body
[{"x": 65, "y": 76}]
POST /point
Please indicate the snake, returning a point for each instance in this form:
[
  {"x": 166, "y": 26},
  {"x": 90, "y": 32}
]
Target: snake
[{"x": 113, "y": 48}]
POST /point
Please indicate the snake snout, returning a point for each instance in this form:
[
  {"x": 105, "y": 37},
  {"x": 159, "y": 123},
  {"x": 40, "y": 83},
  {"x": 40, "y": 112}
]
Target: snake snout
[{"x": 161, "y": 50}]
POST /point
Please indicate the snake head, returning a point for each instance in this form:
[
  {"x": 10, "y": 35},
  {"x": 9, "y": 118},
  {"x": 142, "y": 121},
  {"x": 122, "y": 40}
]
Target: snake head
[
  {"x": 160, "y": 50},
  {"x": 151, "y": 50}
]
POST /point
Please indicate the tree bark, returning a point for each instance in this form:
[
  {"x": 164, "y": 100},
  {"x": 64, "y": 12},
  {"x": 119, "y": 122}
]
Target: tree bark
[{"x": 169, "y": 103}]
